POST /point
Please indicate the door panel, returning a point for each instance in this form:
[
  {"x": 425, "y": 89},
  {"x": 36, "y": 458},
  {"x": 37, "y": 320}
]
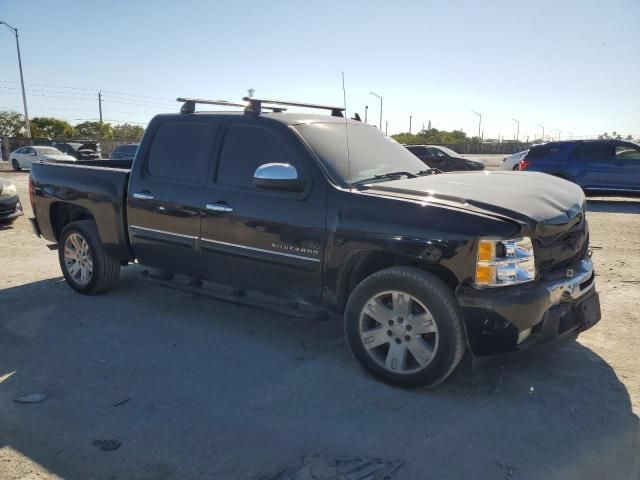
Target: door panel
[
  {"x": 256, "y": 239},
  {"x": 625, "y": 172},
  {"x": 594, "y": 165},
  {"x": 28, "y": 158},
  {"x": 165, "y": 195}
]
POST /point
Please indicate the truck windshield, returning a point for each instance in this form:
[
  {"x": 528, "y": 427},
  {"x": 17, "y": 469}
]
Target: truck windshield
[{"x": 371, "y": 153}]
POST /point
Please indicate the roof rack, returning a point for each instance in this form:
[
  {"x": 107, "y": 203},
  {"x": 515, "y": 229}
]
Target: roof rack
[
  {"x": 257, "y": 104},
  {"x": 189, "y": 105}
]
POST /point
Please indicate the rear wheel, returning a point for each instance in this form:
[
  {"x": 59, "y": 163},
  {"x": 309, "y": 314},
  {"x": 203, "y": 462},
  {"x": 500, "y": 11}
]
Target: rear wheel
[
  {"x": 84, "y": 263},
  {"x": 405, "y": 327},
  {"x": 15, "y": 165}
]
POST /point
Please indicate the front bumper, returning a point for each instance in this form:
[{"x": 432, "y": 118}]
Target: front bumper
[
  {"x": 10, "y": 207},
  {"x": 523, "y": 318}
]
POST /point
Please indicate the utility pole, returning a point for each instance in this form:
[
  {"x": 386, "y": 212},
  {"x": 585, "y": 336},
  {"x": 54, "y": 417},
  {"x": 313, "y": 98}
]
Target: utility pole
[
  {"x": 479, "y": 124},
  {"x": 366, "y": 110},
  {"x": 386, "y": 127},
  {"x": 410, "y": 118},
  {"x": 379, "y": 97},
  {"x": 559, "y": 132},
  {"x": 542, "y": 127},
  {"x": 518, "y": 131},
  {"x": 24, "y": 95},
  {"x": 100, "y": 104}
]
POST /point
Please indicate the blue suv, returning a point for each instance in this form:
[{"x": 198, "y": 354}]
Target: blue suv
[{"x": 600, "y": 167}]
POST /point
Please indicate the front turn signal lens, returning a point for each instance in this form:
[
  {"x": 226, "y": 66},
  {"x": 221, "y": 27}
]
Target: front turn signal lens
[{"x": 486, "y": 250}]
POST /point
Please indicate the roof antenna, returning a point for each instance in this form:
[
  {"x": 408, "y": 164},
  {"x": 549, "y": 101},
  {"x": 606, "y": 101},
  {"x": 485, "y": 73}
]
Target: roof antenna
[{"x": 346, "y": 131}]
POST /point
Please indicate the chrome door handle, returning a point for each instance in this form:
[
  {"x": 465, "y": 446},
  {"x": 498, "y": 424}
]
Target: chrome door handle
[
  {"x": 143, "y": 196},
  {"x": 218, "y": 207}
]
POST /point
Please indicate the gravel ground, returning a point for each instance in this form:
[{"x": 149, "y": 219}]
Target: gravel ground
[{"x": 183, "y": 387}]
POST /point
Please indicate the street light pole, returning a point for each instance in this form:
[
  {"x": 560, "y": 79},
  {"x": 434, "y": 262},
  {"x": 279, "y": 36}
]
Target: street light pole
[
  {"x": 24, "y": 96},
  {"x": 366, "y": 110},
  {"x": 479, "y": 124},
  {"x": 559, "y": 132},
  {"x": 542, "y": 127},
  {"x": 379, "y": 97},
  {"x": 518, "y": 131},
  {"x": 410, "y": 118}
]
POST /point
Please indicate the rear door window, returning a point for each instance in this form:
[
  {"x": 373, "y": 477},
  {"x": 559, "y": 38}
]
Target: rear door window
[
  {"x": 181, "y": 151},
  {"x": 420, "y": 152},
  {"x": 592, "y": 152}
]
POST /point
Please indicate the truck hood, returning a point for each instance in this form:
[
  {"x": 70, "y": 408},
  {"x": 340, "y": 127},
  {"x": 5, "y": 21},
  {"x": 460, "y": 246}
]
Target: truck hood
[{"x": 543, "y": 202}]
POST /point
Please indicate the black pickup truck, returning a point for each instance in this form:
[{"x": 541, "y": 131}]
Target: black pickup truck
[{"x": 329, "y": 212}]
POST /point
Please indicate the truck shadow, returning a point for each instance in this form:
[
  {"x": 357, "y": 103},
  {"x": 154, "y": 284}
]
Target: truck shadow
[
  {"x": 613, "y": 206},
  {"x": 192, "y": 387}
]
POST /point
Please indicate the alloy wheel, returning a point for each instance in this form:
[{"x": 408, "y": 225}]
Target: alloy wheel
[
  {"x": 77, "y": 259},
  {"x": 398, "y": 331}
]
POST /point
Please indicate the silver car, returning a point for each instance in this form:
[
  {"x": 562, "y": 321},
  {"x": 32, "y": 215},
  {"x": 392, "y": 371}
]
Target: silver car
[{"x": 24, "y": 157}]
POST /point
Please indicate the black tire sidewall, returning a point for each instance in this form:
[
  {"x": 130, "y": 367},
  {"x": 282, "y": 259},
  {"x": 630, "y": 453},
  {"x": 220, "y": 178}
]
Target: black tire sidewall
[
  {"x": 436, "y": 297},
  {"x": 15, "y": 165},
  {"x": 82, "y": 228}
]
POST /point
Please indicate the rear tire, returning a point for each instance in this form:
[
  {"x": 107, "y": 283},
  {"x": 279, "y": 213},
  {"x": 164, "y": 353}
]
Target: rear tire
[
  {"x": 84, "y": 263},
  {"x": 404, "y": 326},
  {"x": 15, "y": 165}
]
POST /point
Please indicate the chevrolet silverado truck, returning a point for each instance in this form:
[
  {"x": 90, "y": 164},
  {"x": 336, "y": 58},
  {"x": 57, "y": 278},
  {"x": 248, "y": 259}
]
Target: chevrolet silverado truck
[{"x": 324, "y": 211}]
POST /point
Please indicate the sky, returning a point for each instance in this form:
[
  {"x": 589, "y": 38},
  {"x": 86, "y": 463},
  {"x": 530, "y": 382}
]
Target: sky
[{"x": 572, "y": 66}]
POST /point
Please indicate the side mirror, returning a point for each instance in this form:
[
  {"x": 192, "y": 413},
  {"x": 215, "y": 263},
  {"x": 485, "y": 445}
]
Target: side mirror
[
  {"x": 278, "y": 176},
  {"x": 33, "y": 154}
]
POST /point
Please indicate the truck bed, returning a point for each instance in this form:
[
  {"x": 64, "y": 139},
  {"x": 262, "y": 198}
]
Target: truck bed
[{"x": 92, "y": 190}]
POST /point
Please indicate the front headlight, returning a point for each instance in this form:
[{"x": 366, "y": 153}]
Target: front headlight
[
  {"x": 8, "y": 190},
  {"x": 505, "y": 262}
]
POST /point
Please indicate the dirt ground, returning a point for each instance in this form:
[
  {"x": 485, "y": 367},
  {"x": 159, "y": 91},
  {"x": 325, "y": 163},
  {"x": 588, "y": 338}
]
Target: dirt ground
[{"x": 186, "y": 387}]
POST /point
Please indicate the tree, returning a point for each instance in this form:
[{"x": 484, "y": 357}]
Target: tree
[
  {"x": 50, "y": 127},
  {"x": 11, "y": 124},
  {"x": 94, "y": 130},
  {"x": 126, "y": 131},
  {"x": 432, "y": 136}
]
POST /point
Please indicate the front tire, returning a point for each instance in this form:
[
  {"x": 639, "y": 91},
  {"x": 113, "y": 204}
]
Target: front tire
[
  {"x": 15, "y": 165},
  {"x": 85, "y": 265},
  {"x": 405, "y": 327}
]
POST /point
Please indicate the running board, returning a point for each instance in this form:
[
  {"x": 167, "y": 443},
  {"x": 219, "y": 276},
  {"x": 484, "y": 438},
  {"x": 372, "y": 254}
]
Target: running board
[{"x": 247, "y": 298}]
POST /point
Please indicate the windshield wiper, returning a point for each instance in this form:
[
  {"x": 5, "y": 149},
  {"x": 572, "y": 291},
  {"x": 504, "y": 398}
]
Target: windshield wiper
[
  {"x": 385, "y": 176},
  {"x": 431, "y": 171}
]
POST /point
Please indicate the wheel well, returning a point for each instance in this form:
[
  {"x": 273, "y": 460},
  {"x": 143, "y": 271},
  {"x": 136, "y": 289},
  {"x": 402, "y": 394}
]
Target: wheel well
[
  {"x": 369, "y": 263},
  {"x": 62, "y": 214}
]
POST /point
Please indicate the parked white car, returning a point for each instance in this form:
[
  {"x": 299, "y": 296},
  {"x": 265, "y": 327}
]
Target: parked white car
[
  {"x": 24, "y": 157},
  {"x": 512, "y": 162}
]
